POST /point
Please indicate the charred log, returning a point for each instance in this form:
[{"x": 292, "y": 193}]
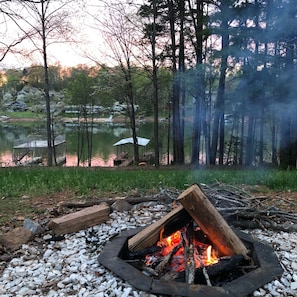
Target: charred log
[
  {"x": 142, "y": 253},
  {"x": 226, "y": 267}
]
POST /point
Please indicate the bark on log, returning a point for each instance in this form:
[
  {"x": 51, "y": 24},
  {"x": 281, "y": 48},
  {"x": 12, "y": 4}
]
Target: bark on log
[
  {"x": 79, "y": 220},
  {"x": 142, "y": 253},
  {"x": 151, "y": 234},
  {"x": 211, "y": 222}
]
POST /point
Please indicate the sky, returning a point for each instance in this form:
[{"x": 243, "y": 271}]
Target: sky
[
  {"x": 86, "y": 30},
  {"x": 64, "y": 53}
]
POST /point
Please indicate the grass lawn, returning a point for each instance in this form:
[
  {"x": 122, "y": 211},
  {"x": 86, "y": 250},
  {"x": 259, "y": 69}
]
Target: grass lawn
[{"x": 16, "y": 183}]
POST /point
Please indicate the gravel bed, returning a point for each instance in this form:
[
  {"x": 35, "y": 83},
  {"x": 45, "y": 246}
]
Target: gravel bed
[{"x": 70, "y": 268}]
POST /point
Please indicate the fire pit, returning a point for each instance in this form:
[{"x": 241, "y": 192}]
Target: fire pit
[
  {"x": 191, "y": 250},
  {"x": 116, "y": 251}
]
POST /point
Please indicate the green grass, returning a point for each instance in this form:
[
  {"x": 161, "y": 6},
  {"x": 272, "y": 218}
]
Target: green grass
[
  {"x": 43, "y": 180},
  {"x": 23, "y": 115},
  {"x": 16, "y": 182}
]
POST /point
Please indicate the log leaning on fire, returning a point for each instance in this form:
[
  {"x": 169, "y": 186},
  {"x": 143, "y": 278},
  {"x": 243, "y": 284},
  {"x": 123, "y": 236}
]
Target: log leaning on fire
[
  {"x": 211, "y": 222},
  {"x": 151, "y": 234}
]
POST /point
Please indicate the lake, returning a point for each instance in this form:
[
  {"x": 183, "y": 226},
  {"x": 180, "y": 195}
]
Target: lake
[{"x": 104, "y": 136}]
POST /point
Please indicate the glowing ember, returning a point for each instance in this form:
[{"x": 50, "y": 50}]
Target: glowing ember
[{"x": 203, "y": 253}]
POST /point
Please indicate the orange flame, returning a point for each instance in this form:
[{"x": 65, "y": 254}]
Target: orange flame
[
  {"x": 203, "y": 254},
  {"x": 211, "y": 256},
  {"x": 168, "y": 243}
]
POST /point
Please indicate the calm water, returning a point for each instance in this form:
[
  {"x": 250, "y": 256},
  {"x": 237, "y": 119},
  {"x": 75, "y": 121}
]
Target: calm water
[{"x": 104, "y": 136}]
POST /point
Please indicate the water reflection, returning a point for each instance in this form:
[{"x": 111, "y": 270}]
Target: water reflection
[
  {"x": 104, "y": 136},
  {"x": 71, "y": 160},
  {"x": 6, "y": 159}
]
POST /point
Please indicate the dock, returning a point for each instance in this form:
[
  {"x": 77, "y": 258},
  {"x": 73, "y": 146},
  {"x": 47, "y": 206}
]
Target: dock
[
  {"x": 126, "y": 162},
  {"x": 34, "y": 151}
]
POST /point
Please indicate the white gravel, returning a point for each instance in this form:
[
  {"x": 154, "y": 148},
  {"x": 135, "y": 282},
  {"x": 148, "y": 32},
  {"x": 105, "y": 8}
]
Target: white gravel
[{"x": 70, "y": 267}]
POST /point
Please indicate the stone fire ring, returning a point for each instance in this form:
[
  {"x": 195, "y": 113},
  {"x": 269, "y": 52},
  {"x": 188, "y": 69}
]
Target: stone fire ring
[{"x": 263, "y": 255}]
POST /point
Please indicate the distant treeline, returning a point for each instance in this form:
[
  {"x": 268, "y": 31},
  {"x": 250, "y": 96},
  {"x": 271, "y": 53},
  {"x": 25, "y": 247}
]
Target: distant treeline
[{"x": 231, "y": 63}]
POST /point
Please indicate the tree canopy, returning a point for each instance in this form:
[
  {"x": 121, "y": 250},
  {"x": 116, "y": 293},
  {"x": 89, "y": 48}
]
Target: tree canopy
[{"x": 228, "y": 67}]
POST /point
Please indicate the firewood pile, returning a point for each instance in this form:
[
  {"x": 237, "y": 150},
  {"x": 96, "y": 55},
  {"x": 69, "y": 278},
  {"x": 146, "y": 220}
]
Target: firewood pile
[
  {"x": 244, "y": 210},
  {"x": 238, "y": 207}
]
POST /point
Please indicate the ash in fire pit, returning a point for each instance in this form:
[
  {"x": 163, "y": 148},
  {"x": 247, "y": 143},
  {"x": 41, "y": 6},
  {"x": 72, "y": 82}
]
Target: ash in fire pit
[{"x": 174, "y": 256}]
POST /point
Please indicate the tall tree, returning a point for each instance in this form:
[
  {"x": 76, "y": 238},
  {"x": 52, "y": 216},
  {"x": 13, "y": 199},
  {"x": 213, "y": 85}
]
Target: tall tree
[
  {"x": 197, "y": 37},
  {"x": 218, "y": 134},
  {"x": 177, "y": 126},
  {"x": 44, "y": 22},
  {"x": 120, "y": 34},
  {"x": 152, "y": 28},
  {"x": 286, "y": 33},
  {"x": 81, "y": 91}
]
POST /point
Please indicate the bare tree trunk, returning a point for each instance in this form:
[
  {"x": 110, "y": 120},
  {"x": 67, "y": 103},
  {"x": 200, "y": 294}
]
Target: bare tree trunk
[
  {"x": 261, "y": 132},
  {"x": 181, "y": 71},
  {"x": 155, "y": 86},
  {"x": 131, "y": 108},
  {"x": 89, "y": 133},
  {"x": 178, "y": 153},
  {"x": 46, "y": 89},
  {"x": 273, "y": 140},
  {"x": 219, "y": 124},
  {"x": 285, "y": 143},
  {"x": 287, "y": 128},
  {"x": 250, "y": 143},
  {"x": 199, "y": 113},
  {"x": 196, "y": 132},
  {"x": 241, "y": 148}
]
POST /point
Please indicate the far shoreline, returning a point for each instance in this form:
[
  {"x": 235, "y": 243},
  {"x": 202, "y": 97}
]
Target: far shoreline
[{"x": 117, "y": 119}]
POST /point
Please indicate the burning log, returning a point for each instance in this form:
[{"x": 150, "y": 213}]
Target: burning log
[
  {"x": 189, "y": 255},
  {"x": 160, "y": 267},
  {"x": 208, "y": 273},
  {"x": 151, "y": 234},
  {"x": 144, "y": 252},
  {"x": 211, "y": 222},
  {"x": 222, "y": 268},
  {"x": 189, "y": 264}
]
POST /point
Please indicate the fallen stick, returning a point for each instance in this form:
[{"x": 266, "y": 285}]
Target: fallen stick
[
  {"x": 255, "y": 224},
  {"x": 204, "y": 272},
  {"x": 131, "y": 200}
]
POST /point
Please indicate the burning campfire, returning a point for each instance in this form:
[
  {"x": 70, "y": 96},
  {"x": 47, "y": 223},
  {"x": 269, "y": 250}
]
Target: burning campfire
[
  {"x": 179, "y": 251},
  {"x": 192, "y": 249}
]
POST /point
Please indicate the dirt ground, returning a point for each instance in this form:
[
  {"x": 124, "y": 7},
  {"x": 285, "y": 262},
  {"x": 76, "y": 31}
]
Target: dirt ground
[
  {"x": 46, "y": 207},
  {"x": 285, "y": 201}
]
